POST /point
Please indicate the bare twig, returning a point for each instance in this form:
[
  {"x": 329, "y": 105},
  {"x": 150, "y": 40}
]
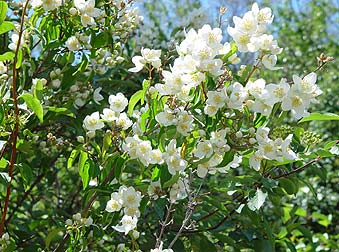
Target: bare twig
[{"x": 164, "y": 224}]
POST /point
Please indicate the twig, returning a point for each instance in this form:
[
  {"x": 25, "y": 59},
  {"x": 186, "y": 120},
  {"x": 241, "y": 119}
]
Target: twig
[
  {"x": 255, "y": 67},
  {"x": 245, "y": 199},
  {"x": 164, "y": 224},
  {"x": 15, "y": 131},
  {"x": 298, "y": 169},
  {"x": 189, "y": 212}
]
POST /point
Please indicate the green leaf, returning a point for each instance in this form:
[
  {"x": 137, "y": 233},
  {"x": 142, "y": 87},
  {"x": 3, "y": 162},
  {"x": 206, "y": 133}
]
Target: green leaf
[
  {"x": 3, "y": 11},
  {"x": 263, "y": 245},
  {"x": 301, "y": 212},
  {"x": 51, "y": 235},
  {"x": 19, "y": 59},
  {"x": 136, "y": 97},
  {"x": 320, "y": 117},
  {"x": 62, "y": 111},
  {"x": 84, "y": 166},
  {"x": 257, "y": 201},
  {"x": 2, "y": 114},
  {"x": 231, "y": 52},
  {"x": 26, "y": 173},
  {"x": 4, "y": 178},
  {"x": 289, "y": 185},
  {"x": 106, "y": 142},
  {"x": 38, "y": 89},
  {"x": 83, "y": 65},
  {"x": 100, "y": 40},
  {"x": 171, "y": 181},
  {"x": 7, "y": 56},
  {"x": 72, "y": 157},
  {"x": 34, "y": 104},
  {"x": 3, "y": 163},
  {"x": 6, "y": 26}
]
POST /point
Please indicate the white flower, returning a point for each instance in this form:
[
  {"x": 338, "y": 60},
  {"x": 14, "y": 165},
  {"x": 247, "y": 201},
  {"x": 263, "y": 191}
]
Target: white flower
[
  {"x": 148, "y": 56},
  {"x": 175, "y": 163},
  {"x": 269, "y": 61},
  {"x": 218, "y": 138},
  {"x": 257, "y": 88},
  {"x": 156, "y": 157},
  {"x": 210, "y": 110},
  {"x": 15, "y": 40},
  {"x": 131, "y": 198},
  {"x": 211, "y": 36},
  {"x": 87, "y": 7},
  {"x": 286, "y": 150},
  {"x": 115, "y": 203},
  {"x": 132, "y": 211},
  {"x": 166, "y": 118},
  {"x": 109, "y": 115},
  {"x": 87, "y": 20},
  {"x": 153, "y": 189},
  {"x": 142, "y": 151},
  {"x": 260, "y": 106},
  {"x": 123, "y": 121},
  {"x": 73, "y": 43},
  {"x": 264, "y": 15},
  {"x": 139, "y": 63},
  {"x": 92, "y": 122},
  {"x": 238, "y": 96},
  {"x": 97, "y": 97},
  {"x": 152, "y": 56},
  {"x": 88, "y": 222},
  {"x": 47, "y": 5},
  {"x": 234, "y": 59},
  {"x": 3, "y": 68},
  {"x": 216, "y": 98},
  {"x": 269, "y": 149},
  {"x": 255, "y": 160},
  {"x": 297, "y": 102},
  {"x": 262, "y": 135},
  {"x": 117, "y": 102},
  {"x": 204, "y": 149},
  {"x": 248, "y": 24},
  {"x": 276, "y": 92},
  {"x": 128, "y": 223},
  {"x": 307, "y": 84}
]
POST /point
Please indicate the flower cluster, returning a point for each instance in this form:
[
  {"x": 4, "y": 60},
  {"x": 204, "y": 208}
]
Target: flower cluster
[
  {"x": 129, "y": 199},
  {"x": 142, "y": 149},
  {"x": 129, "y": 20},
  {"x": 179, "y": 117},
  {"x": 261, "y": 98},
  {"x": 87, "y": 11},
  {"x": 148, "y": 56},
  {"x": 47, "y": 5},
  {"x": 79, "y": 221},
  {"x": 4, "y": 241},
  {"x": 198, "y": 53},
  {"x": 249, "y": 35},
  {"x": 113, "y": 116},
  {"x": 268, "y": 149}
]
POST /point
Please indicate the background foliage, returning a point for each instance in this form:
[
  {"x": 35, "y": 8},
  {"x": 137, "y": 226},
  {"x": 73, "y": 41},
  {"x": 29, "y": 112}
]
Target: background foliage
[{"x": 47, "y": 188}]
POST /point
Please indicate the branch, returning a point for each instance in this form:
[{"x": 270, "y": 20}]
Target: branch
[
  {"x": 15, "y": 131},
  {"x": 298, "y": 169},
  {"x": 164, "y": 224},
  {"x": 245, "y": 199}
]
